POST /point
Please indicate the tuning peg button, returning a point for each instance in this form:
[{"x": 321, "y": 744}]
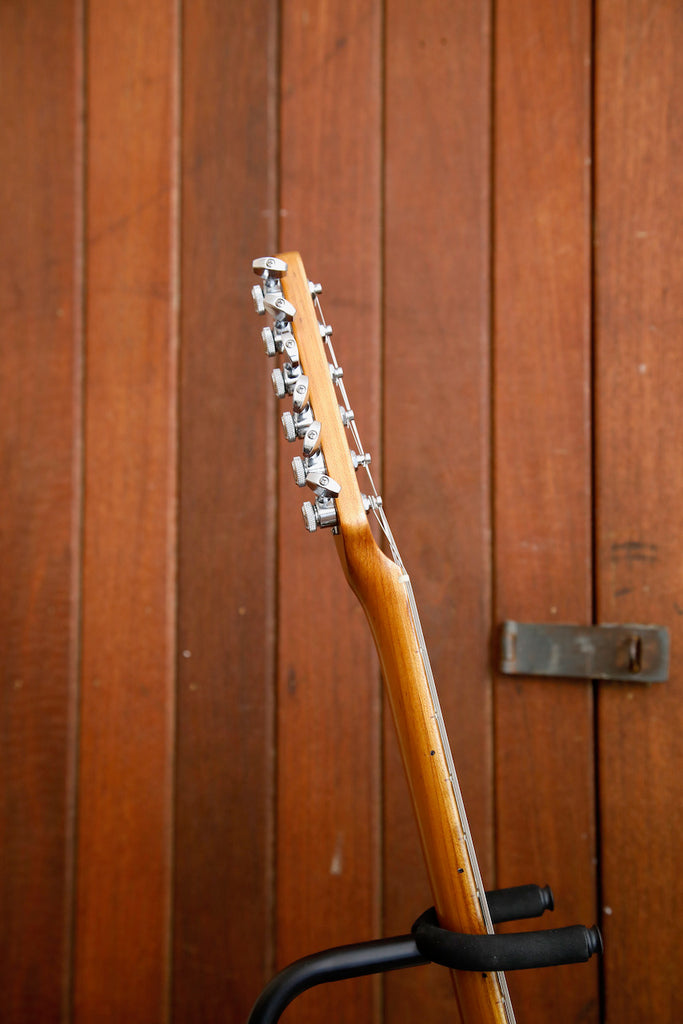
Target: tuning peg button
[
  {"x": 288, "y": 426},
  {"x": 258, "y": 299},
  {"x": 308, "y": 512},
  {"x": 268, "y": 341},
  {"x": 299, "y": 471},
  {"x": 278, "y": 379}
]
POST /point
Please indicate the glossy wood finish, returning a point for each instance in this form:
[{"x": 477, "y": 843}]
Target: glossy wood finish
[
  {"x": 542, "y": 466},
  {"x": 200, "y": 781},
  {"x": 226, "y": 614},
  {"x": 127, "y": 709},
  {"x": 639, "y": 385},
  {"x": 40, "y": 365}
]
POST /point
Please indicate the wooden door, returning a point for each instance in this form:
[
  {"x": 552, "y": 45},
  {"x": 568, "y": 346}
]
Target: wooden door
[{"x": 200, "y": 781}]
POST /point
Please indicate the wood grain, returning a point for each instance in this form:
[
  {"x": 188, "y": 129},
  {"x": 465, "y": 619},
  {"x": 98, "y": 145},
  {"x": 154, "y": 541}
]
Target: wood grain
[
  {"x": 379, "y": 586},
  {"x": 223, "y": 942},
  {"x": 436, "y": 420},
  {"x": 328, "y": 679},
  {"x": 127, "y": 705},
  {"x": 640, "y": 489},
  {"x": 368, "y": 131},
  {"x": 542, "y": 466},
  {"x": 40, "y": 282}
]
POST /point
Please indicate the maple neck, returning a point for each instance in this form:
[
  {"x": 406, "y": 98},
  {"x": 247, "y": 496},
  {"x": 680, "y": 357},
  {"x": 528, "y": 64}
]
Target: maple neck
[
  {"x": 384, "y": 590},
  {"x": 385, "y": 594}
]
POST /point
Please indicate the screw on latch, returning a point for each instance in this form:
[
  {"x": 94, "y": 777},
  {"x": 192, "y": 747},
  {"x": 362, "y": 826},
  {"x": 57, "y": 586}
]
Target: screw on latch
[
  {"x": 635, "y": 653},
  {"x": 509, "y": 646}
]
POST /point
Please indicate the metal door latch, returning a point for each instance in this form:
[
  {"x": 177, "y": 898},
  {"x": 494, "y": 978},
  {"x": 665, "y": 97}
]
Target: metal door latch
[{"x": 629, "y": 653}]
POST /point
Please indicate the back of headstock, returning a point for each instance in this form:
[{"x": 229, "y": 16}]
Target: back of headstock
[{"x": 320, "y": 417}]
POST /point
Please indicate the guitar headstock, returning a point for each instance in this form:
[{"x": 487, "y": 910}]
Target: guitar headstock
[{"x": 319, "y": 418}]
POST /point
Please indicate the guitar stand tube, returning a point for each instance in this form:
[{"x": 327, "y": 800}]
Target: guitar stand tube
[{"x": 429, "y": 943}]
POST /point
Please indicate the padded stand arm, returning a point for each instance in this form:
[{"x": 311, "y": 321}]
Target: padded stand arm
[
  {"x": 428, "y": 942},
  {"x": 512, "y": 952}
]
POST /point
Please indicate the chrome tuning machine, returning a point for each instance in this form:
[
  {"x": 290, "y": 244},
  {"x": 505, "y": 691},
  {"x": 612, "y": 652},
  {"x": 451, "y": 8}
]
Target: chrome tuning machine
[
  {"x": 297, "y": 424},
  {"x": 322, "y": 512},
  {"x": 258, "y": 299},
  {"x": 309, "y": 468},
  {"x": 269, "y": 267},
  {"x": 268, "y": 340},
  {"x": 319, "y": 514},
  {"x": 312, "y": 438},
  {"x": 301, "y": 467},
  {"x": 323, "y": 485},
  {"x": 286, "y": 380},
  {"x": 278, "y": 307}
]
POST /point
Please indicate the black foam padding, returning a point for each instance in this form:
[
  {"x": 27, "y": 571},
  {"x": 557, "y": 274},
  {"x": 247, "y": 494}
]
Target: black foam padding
[
  {"x": 520, "y": 901},
  {"x": 513, "y": 952}
]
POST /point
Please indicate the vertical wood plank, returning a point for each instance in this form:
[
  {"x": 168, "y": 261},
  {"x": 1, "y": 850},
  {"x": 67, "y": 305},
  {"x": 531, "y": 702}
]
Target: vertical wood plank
[
  {"x": 542, "y": 460},
  {"x": 640, "y": 491},
  {"x": 41, "y": 80},
  {"x": 224, "y": 827},
  {"x": 436, "y": 422},
  {"x": 127, "y": 706},
  {"x": 328, "y": 690}
]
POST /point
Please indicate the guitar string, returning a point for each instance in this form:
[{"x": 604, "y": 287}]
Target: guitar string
[{"x": 380, "y": 515}]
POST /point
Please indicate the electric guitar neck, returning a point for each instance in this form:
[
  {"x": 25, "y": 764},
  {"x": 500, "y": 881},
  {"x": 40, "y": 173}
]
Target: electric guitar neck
[{"x": 330, "y": 463}]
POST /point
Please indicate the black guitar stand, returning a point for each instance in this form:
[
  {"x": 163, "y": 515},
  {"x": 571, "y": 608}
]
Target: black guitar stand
[{"x": 429, "y": 943}]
